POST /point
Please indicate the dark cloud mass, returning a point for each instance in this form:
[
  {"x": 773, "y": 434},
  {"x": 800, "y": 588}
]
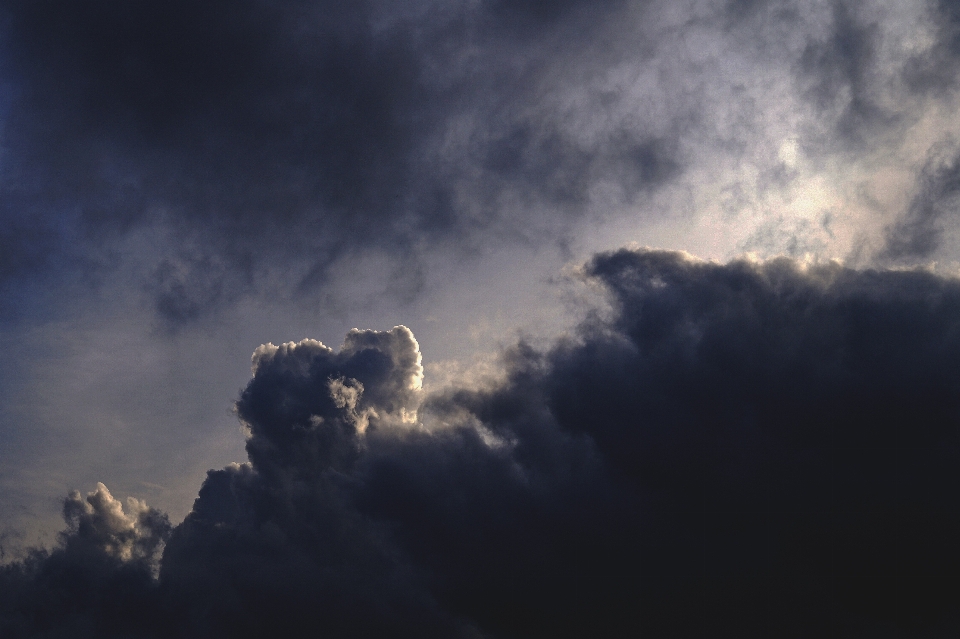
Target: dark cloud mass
[{"x": 741, "y": 449}]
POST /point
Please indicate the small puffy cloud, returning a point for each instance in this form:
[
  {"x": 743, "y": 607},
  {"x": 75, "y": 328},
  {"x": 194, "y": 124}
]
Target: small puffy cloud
[
  {"x": 100, "y": 581},
  {"x": 99, "y": 520}
]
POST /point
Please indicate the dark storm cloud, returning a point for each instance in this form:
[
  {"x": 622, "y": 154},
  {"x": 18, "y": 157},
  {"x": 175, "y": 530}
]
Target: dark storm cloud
[
  {"x": 295, "y": 131},
  {"x": 186, "y": 286},
  {"x": 811, "y": 408},
  {"x": 760, "y": 447},
  {"x": 289, "y": 517}
]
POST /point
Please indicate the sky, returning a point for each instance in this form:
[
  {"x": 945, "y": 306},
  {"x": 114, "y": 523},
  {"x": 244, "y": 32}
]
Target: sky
[{"x": 479, "y": 318}]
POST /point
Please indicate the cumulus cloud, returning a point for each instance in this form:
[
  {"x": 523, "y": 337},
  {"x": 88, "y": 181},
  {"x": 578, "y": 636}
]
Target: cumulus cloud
[
  {"x": 100, "y": 521},
  {"x": 289, "y": 517},
  {"x": 307, "y": 405},
  {"x": 100, "y": 581},
  {"x": 763, "y": 447}
]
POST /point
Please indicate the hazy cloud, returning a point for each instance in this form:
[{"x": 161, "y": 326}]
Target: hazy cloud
[
  {"x": 299, "y": 134},
  {"x": 285, "y": 132},
  {"x": 918, "y": 232}
]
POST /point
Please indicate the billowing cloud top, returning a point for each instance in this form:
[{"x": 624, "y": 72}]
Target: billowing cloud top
[
  {"x": 305, "y": 401},
  {"x": 100, "y": 521},
  {"x": 763, "y": 447}
]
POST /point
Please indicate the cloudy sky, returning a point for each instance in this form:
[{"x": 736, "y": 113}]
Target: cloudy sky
[{"x": 674, "y": 287}]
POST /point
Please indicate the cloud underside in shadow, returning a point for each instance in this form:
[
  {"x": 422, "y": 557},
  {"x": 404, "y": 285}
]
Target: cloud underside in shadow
[{"x": 758, "y": 447}]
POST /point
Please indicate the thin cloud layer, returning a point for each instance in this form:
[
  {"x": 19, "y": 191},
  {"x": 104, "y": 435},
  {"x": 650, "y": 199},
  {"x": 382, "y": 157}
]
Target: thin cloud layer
[{"x": 758, "y": 447}]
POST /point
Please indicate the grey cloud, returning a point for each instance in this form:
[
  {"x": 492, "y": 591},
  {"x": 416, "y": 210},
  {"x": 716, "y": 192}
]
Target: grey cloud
[
  {"x": 797, "y": 385},
  {"x": 918, "y": 232},
  {"x": 935, "y": 70},
  {"x": 843, "y": 72},
  {"x": 289, "y": 132},
  {"x": 184, "y": 288},
  {"x": 300, "y": 135},
  {"x": 764, "y": 425},
  {"x": 865, "y": 72}
]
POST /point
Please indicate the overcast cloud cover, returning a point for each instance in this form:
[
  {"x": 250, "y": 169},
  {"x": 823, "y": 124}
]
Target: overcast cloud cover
[{"x": 751, "y": 428}]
